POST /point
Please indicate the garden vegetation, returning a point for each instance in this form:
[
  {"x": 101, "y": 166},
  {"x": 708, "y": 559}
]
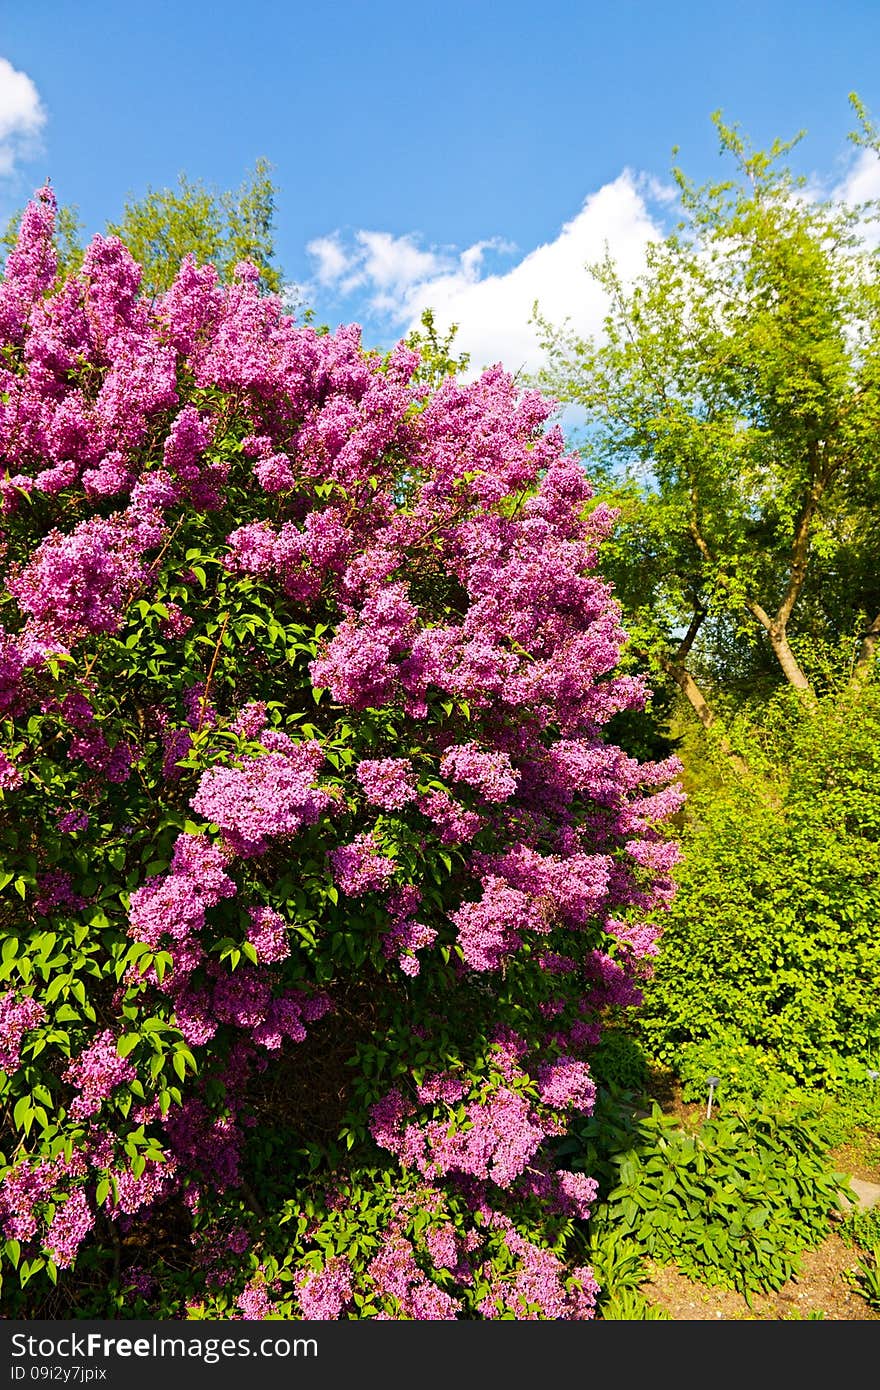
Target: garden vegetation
[{"x": 352, "y": 899}]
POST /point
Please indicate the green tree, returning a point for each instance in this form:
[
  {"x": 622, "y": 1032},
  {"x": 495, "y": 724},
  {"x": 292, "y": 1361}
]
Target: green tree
[
  {"x": 191, "y": 219},
  {"x": 771, "y": 941},
  {"x": 167, "y": 224},
  {"x": 733, "y": 407},
  {"x": 435, "y": 348}
]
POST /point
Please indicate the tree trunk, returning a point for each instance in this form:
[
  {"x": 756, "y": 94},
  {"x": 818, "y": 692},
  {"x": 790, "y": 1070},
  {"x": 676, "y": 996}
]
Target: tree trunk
[
  {"x": 789, "y": 663},
  {"x": 867, "y": 652},
  {"x": 707, "y": 717}
]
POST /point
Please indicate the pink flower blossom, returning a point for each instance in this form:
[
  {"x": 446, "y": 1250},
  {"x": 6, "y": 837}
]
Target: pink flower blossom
[
  {"x": 360, "y": 867},
  {"x": 387, "y": 782}
]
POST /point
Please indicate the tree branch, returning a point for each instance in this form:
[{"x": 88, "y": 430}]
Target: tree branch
[
  {"x": 801, "y": 543},
  {"x": 687, "y": 641},
  {"x": 699, "y": 704},
  {"x": 775, "y": 627}
]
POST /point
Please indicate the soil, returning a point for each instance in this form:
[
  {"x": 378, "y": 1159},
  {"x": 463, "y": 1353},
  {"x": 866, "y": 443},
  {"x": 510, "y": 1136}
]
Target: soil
[{"x": 823, "y": 1289}]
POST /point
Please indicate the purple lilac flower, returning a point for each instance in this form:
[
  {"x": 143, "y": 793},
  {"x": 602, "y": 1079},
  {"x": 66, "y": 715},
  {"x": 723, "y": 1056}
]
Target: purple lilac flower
[
  {"x": 360, "y": 867},
  {"x": 387, "y": 782},
  {"x": 17, "y": 1017}
]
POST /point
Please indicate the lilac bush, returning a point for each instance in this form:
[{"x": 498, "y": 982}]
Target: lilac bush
[{"x": 319, "y": 877}]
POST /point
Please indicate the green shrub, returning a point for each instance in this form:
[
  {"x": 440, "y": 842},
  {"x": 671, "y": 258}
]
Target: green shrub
[
  {"x": 861, "y": 1227},
  {"x": 772, "y": 938},
  {"x": 620, "y": 1061},
  {"x": 867, "y": 1278},
  {"x": 742, "y": 1073},
  {"x": 734, "y": 1204}
]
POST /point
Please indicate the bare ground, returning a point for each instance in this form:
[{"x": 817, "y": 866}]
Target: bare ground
[{"x": 822, "y": 1289}]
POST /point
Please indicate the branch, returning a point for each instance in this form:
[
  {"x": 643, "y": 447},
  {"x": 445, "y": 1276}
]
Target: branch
[
  {"x": 753, "y": 607},
  {"x": 775, "y": 626},
  {"x": 687, "y": 641},
  {"x": 699, "y": 704},
  {"x": 207, "y": 690},
  {"x": 800, "y": 544}
]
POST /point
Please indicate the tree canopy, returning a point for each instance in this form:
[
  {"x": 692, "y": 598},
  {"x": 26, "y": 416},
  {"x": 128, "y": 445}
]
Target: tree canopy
[
  {"x": 732, "y": 407},
  {"x": 218, "y": 227}
]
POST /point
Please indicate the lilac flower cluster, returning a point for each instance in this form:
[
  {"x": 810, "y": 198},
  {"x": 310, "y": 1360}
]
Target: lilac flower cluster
[
  {"x": 265, "y": 798},
  {"x": 69, "y": 1227},
  {"x": 25, "y": 1189},
  {"x": 322, "y": 1295},
  {"x": 456, "y": 825},
  {"x": 493, "y": 1137},
  {"x": 359, "y": 667},
  {"x": 30, "y": 267},
  {"x": 387, "y": 782},
  {"x": 491, "y": 774},
  {"x": 406, "y": 935},
  {"x": 81, "y": 582},
  {"x": 17, "y": 1017},
  {"x": 268, "y": 934},
  {"x": 538, "y": 1286},
  {"x": 96, "y": 1073},
  {"x": 397, "y": 1275},
  {"x": 55, "y": 889},
  {"x": 360, "y": 867}
]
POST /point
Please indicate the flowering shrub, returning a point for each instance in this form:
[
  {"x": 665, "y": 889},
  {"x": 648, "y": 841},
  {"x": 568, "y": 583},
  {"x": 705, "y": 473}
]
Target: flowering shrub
[{"x": 318, "y": 880}]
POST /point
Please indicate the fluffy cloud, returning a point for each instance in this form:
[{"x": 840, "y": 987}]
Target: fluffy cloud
[
  {"x": 862, "y": 182},
  {"x": 397, "y": 279},
  {"x": 862, "y": 185},
  {"x": 331, "y": 261},
  {"x": 22, "y": 117}
]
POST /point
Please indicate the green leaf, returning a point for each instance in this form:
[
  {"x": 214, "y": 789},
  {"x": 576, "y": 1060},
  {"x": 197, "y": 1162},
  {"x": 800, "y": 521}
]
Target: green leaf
[{"x": 21, "y": 1113}]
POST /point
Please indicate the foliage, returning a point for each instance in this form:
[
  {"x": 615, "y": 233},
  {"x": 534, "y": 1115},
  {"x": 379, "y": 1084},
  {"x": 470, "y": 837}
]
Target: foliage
[
  {"x": 732, "y": 406},
  {"x": 742, "y": 1073},
  {"x": 867, "y": 1277},
  {"x": 220, "y": 228},
  {"x": 852, "y": 1119},
  {"x": 619, "y": 1062},
  {"x": 619, "y": 1266},
  {"x": 733, "y": 1204},
  {"x": 319, "y": 881},
  {"x": 770, "y": 953},
  {"x": 861, "y": 1226},
  {"x": 436, "y": 358}
]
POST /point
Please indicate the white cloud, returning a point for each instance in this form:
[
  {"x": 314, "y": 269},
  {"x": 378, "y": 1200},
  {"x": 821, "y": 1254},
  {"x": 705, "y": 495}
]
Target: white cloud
[
  {"x": 859, "y": 184},
  {"x": 393, "y": 264},
  {"x": 493, "y": 308},
  {"x": 656, "y": 189},
  {"x": 332, "y": 261},
  {"x": 22, "y": 117},
  {"x": 493, "y": 311},
  {"x": 862, "y": 182}
]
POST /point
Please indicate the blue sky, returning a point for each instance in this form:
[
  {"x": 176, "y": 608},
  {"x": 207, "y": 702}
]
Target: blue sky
[{"x": 470, "y": 155}]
